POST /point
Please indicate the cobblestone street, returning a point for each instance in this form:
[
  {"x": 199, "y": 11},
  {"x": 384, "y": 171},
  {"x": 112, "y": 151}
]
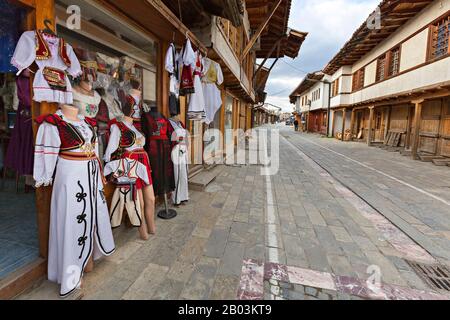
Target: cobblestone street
[{"x": 318, "y": 229}]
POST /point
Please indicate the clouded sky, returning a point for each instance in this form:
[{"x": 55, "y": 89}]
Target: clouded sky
[{"x": 330, "y": 24}]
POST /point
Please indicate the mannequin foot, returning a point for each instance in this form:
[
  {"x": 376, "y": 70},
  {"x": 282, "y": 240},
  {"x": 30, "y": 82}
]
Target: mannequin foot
[
  {"x": 152, "y": 230},
  {"x": 143, "y": 234}
]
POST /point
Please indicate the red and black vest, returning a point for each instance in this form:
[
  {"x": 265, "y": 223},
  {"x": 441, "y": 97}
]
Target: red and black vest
[
  {"x": 71, "y": 139},
  {"x": 127, "y": 137},
  {"x": 43, "y": 51}
]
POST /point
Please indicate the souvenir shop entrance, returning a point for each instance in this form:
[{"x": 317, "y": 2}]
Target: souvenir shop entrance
[
  {"x": 19, "y": 245},
  {"x": 113, "y": 44}
]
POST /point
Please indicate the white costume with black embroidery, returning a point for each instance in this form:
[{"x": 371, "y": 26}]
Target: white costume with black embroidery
[{"x": 79, "y": 218}]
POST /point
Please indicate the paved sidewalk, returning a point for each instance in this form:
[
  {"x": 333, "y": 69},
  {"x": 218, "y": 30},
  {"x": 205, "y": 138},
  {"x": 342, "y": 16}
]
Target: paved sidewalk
[{"x": 301, "y": 234}]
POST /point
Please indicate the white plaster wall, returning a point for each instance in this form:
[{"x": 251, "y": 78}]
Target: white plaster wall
[
  {"x": 424, "y": 18},
  {"x": 414, "y": 51},
  {"x": 323, "y": 101},
  {"x": 370, "y": 74},
  {"x": 340, "y": 100},
  {"x": 346, "y": 84},
  {"x": 431, "y": 74}
]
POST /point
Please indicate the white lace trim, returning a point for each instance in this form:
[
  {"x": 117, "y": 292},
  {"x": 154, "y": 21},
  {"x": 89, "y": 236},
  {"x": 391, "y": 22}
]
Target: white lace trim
[{"x": 44, "y": 183}]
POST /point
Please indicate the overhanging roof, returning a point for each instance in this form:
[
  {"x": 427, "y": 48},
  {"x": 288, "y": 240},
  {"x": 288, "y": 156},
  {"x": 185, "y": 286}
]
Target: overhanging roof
[
  {"x": 276, "y": 28},
  {"x": 154, "y": 17},
  {"x": 310, "y": 80},
  {"x": 198, "y": 12},
  {"x": 394, "y": 14}
]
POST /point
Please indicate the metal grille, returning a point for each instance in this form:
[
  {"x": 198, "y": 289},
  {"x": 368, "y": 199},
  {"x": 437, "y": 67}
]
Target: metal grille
[{"x": 436, "y": 276}]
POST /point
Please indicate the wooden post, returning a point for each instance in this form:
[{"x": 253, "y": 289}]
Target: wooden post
[
  {"x": 441, "y": 129},
  {"x": 417, "y": 121},
  {"x": 45, "y": 10},
  {"x": 352, "y": 124},
  {"x": 344, "y": 115},
  {"x": 222, "y": 119},
  {"x": 164, "y": 81},
  {"x": 388, "y": 123},
  {"x": 369, "y": 134},
  {"x": 409, "y": 127}
]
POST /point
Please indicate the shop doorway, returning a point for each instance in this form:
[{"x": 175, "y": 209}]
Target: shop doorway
[{"x": 19, "y": 245}]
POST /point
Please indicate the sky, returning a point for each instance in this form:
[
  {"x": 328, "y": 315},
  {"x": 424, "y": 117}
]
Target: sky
[{"x": 330, "y": 24}]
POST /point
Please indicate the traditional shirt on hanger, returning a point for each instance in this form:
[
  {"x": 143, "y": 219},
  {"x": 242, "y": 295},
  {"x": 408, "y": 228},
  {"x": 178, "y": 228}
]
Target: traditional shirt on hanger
[
  {"x": 187, "y": 77},
  {"x": 196, "y": 109},
  {"x": 212, "y": 78},
  {"x": 125, "y": 172},
  {"x": 126, "y": 141},
  {"x": 79, "y": 218},
  {"x": 172, "y": 67},
  {"x": 55, "y": 60}
]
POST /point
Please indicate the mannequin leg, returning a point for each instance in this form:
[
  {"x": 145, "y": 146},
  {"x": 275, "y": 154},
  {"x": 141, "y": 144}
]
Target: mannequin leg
[
  {"x": 149, "y": 203},
  {"x": 143, "y": 230},
  {"x": 90, "y": 265}
]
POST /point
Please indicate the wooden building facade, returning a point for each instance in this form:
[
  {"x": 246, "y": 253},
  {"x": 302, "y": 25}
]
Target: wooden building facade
[{"x": 393, "y": 82}]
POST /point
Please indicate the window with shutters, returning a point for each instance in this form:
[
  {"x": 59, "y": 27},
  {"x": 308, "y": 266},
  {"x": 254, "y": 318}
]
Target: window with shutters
[
  {"x": 381, "y": 68},
  {"x": 358, "y": 80},
  {"x": 394, "y": 62},
  {"x": 335, "y": 88},
  {"x": 440, "y": 34}
]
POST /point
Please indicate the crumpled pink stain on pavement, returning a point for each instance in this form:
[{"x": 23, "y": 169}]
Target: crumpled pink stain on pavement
[
  {"x": 276, "y": 271},
  {"x": 311, "y": 278},
  {"x": 251, "y": 286}
]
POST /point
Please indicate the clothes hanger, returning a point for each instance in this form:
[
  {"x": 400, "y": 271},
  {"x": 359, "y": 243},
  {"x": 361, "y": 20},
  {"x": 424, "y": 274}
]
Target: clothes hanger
[{"x": 48, "y": 29}]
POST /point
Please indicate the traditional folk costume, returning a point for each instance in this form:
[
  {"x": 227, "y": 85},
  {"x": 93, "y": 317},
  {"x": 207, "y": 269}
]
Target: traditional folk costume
[
  {"x": 55, "y": 60},
  {"x": 125, "y": 172},
  {"x": 212, "y": 78},
  {"x": 126, "y": 141},
  {"x": 79, "y": 218},
  {"x": 158, "y": 147},
  {"x": 103, "y": 119},
  {"x": 180, "y": 162},
  {"x": 196, "y": 109},
  {"x": 172, "y": 67},
  {"x": 187, "y": 73},
  {"x": 136, "y": 110}
]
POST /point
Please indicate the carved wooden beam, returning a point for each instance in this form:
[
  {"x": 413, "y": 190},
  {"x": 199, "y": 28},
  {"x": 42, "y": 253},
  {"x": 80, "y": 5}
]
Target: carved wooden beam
[{"x": 260, "y": 30}]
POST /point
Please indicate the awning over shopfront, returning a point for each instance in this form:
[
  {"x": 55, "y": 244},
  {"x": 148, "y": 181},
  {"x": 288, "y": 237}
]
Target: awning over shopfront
[{"x": 154, "y": 16}]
